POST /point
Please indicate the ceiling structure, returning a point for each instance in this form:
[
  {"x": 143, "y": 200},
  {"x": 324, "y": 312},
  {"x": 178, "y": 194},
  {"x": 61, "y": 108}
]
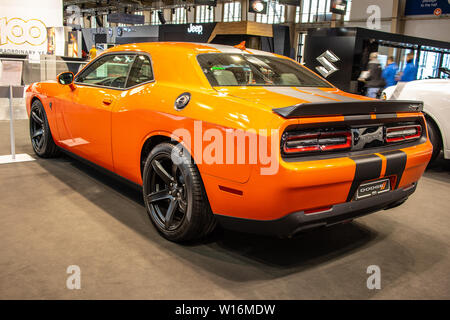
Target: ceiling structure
[{"x": 92, "y": 6}]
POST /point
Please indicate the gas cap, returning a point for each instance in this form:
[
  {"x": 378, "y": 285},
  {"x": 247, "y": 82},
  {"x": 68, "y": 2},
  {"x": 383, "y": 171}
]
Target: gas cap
[{"x": 182, "y": 101}]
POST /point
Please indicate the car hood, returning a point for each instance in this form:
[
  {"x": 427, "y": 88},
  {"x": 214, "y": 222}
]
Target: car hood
[
  {"x": 429, "y": 82},
  {"x": 277, "y": 97},
  {"x": 418, "y": 89}
]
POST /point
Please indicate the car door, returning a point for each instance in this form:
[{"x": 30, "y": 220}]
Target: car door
[
  {"x": 129, "y": 123},
  {"x": 87, "y": 115}
]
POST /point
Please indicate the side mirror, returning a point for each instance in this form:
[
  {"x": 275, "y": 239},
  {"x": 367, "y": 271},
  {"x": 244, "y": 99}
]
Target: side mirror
[{"x": 65, "y": 78}]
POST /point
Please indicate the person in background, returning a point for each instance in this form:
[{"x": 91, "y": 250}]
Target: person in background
[
  {"x": 374, "y": 80},
  {"x": 84, "y": 54},
  {"x": 93, "y": 52},
  {"x": 410, "y": 72},
  {"x": 390, "y": 72}
]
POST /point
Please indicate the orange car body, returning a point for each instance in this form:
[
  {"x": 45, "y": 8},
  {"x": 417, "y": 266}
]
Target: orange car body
[{"x": 113, "y": 127}]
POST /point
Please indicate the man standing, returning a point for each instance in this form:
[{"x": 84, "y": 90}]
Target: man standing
[
  {"x": 410, "y": 72},
  {"x": 93, "y": 52},
  {"x": 390, "y": 72},
  {"x": 374, "y": 81}
]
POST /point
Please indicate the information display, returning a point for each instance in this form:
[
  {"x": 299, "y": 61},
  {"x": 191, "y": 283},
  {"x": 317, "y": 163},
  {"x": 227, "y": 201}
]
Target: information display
[
  {"x": 24, "y": 23},
  {"x": 427, "y": 7}
]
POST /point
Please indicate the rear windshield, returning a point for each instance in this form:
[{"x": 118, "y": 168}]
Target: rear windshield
[{"x": 227, "y": 69}]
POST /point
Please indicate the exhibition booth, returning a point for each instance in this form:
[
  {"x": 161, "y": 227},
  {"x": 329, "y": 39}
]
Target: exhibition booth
[
  {"x": 261, "y": 36},
  {"x": 351, "y": 48},
  {"x": 67, "y": 49},
  {"x": 35, "y": 45}
]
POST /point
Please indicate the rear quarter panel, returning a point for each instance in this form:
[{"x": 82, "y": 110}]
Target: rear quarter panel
[{"x": 149, "y": 110}]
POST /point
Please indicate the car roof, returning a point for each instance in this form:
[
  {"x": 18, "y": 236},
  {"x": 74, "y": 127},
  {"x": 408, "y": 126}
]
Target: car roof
[{"x": 188, "y": 47}]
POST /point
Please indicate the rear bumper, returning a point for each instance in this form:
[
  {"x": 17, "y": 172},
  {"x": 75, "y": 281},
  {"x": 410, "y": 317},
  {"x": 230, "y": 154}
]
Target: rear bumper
[
  {"x": 310, "y": 185},
  {"x": 299, "y": 221}
]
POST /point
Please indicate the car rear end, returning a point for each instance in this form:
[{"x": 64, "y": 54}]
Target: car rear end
[{"x": 338, "y": 161}]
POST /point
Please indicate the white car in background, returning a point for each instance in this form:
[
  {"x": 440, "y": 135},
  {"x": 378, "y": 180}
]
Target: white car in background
[{"x": 435, "y": 94}]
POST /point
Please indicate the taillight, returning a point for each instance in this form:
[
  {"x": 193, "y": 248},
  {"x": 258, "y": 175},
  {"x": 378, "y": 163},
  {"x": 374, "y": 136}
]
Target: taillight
[
  {"x": 403, "y": 133},
  {"x": 317, "y": 141}
]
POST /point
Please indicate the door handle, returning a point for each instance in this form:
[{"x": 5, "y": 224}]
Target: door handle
[{"x": 107, "y": 101}]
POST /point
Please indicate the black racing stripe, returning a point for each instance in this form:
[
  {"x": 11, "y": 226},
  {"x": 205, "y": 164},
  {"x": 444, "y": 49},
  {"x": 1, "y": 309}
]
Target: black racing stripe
[
  {"x": 368, "y": 167},
  {"x": 358, "y": 117},
  {"x": 386, "y": 115},
  {"x": 395, "y": 164}
]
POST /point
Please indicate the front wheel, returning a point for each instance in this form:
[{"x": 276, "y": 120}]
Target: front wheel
[
  {"x": 40, "y": 134},
  {"x": 174, "y": 195}
]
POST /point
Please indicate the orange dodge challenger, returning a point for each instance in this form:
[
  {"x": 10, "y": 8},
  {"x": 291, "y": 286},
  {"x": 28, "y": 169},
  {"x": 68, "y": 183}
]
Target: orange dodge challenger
[{"x": 218, "y": 134}]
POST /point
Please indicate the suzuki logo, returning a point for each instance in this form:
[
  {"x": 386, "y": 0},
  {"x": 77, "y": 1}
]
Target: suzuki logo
[
  {"x": 362, "y": 137},
  {"x": 327, "y": 67}
]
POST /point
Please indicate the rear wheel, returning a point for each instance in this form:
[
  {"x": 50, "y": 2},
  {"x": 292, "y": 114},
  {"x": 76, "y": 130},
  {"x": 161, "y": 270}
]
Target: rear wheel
[
  {"x": 40, "y": 134},
  {"x": 435, "y": 138},
  {"x": 174, "y": 195}
]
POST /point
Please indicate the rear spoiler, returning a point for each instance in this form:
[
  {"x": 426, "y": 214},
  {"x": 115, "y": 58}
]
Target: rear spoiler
[{"x": 348, "y": 108}]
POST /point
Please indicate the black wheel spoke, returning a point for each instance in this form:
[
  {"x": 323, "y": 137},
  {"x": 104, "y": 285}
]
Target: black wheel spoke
[
  {"x": 158, "y": 196},
  {"x": 36, "y": 118},
  {"x": 38, "y": 133},
  {"x": 174, "y": 171},
  {"x": 161, "y": 172},
  {"x": 40, "y": 142},
  {"x": 170, "y": 212}
]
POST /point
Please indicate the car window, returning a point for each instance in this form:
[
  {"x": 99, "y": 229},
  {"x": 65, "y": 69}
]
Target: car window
[
  {"x": 226, "y": 69},
  {"x": 109, "y": 71},
  {"x": 141, "y": 71}
]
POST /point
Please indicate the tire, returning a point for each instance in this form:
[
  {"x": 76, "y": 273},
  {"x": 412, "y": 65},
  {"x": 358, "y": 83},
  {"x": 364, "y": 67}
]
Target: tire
[
  {"x": 40, "y": 133},
  {"x": 435, "y": 138},
  {"x": 174, "y": 195}
]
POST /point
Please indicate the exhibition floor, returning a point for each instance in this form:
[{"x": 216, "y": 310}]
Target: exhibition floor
[{"x": 60, "y": 212}]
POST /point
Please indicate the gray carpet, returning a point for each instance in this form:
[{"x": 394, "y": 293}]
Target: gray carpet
[{"x": 59, "y": 212}]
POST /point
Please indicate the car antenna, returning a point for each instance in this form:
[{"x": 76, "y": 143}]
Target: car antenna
[{"x": 241, "y": 46}]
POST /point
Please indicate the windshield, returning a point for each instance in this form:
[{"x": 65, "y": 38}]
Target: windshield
[{"x": 226, "y": 69}]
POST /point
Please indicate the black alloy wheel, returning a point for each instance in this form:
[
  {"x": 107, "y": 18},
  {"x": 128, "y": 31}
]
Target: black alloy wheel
[
  {"x": 40, "y": 134},
  {"x": 174, "y": 195},
  {"x": 37, "y": 129},
  {"x": 167, "y": 196}
]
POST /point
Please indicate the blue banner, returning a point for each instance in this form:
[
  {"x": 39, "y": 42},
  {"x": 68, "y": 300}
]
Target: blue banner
[{"x": 424, "y": 7}]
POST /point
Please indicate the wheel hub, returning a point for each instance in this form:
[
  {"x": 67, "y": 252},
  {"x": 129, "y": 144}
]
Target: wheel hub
[{"x": 176, "y": 191}]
